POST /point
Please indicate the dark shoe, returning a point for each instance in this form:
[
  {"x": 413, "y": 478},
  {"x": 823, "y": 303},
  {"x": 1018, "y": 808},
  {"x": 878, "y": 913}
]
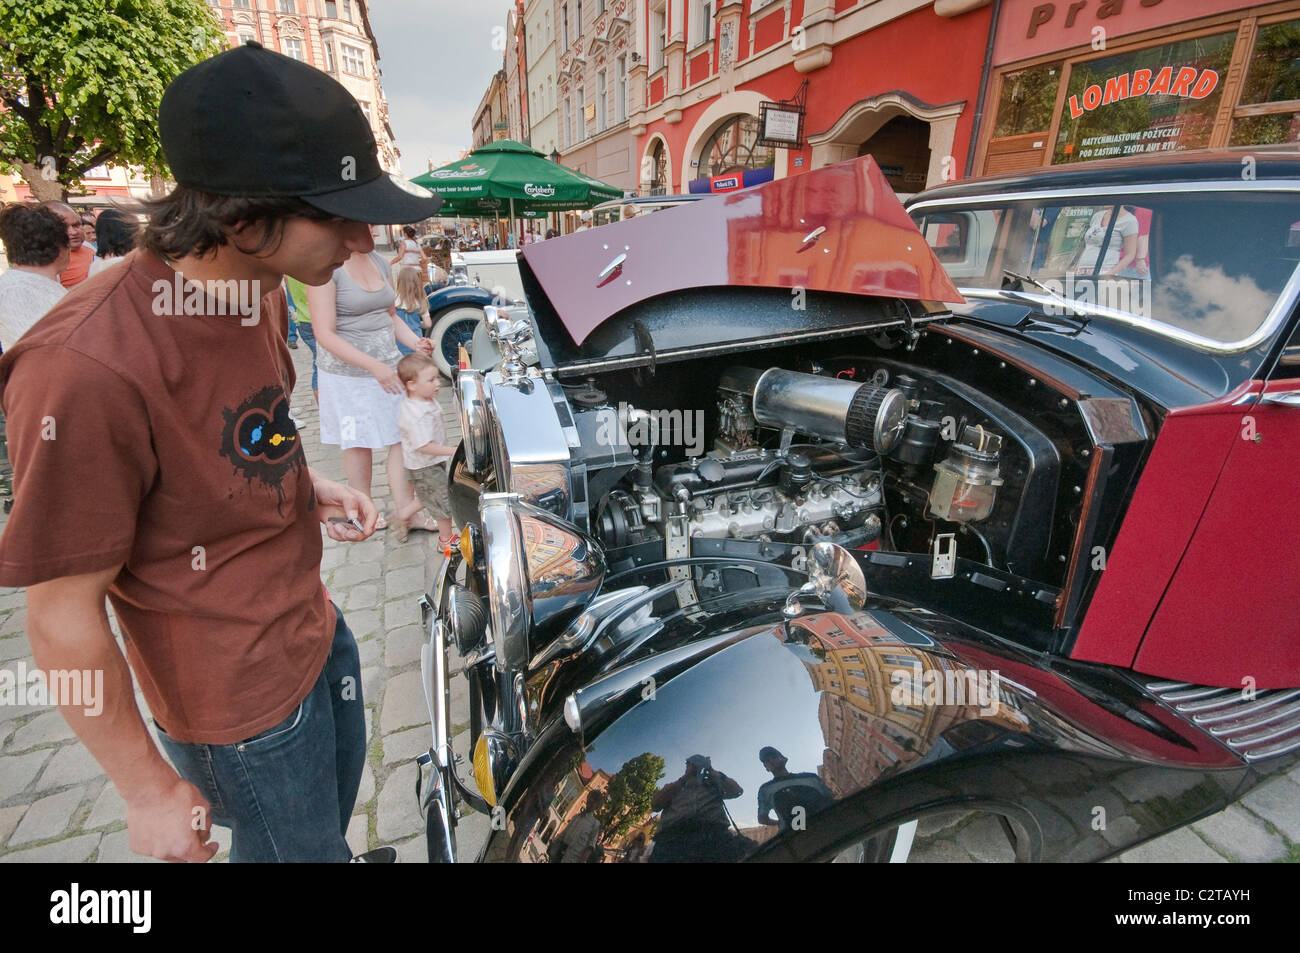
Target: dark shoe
[
  {"x": 294, "y": 343},
  {"x": 380, "y": 855}
]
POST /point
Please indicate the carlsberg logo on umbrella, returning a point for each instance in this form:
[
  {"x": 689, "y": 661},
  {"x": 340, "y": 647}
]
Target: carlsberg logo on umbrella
[
  {"x": 538, "y": 191},
  {"x": 456, "y": 173}
]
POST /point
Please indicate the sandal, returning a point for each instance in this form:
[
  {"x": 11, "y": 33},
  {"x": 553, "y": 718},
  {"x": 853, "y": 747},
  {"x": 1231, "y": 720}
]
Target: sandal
[
  {"x": 381, "y": 523},
  {"x": 427, "y": 525}
]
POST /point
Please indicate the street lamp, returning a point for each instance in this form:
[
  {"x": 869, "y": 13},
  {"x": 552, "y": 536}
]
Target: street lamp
[{"x": 555, "y": 156}]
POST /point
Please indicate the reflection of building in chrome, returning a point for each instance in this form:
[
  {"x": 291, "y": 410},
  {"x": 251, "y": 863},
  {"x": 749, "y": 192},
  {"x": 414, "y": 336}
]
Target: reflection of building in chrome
[
  {"x": 569, "y": 800},
  {"x": 867, "y": 733},
  {"x": 547, "y": 549}
]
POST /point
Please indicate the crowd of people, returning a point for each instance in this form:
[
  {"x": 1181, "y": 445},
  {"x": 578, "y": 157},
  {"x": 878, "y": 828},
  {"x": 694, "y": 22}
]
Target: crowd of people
[{"x": 367, "y": 322}]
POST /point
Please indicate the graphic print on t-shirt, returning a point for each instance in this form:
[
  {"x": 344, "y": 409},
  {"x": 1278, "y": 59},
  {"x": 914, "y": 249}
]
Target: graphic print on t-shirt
[{"x": 261, "y": 440}]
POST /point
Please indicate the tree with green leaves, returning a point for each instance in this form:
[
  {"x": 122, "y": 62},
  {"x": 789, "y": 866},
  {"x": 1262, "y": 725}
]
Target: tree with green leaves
[
  {"x": 627, "y": 798},
  {"x": 81, "y": 80}
]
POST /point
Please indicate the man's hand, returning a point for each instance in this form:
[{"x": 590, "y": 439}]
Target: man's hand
[
  {"x": 335, "y": 499},
  {"x": 173, "y": 824}
]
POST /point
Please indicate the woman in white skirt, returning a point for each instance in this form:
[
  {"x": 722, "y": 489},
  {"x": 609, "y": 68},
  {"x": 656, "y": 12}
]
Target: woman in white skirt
[{"x": 357, "y": 329}]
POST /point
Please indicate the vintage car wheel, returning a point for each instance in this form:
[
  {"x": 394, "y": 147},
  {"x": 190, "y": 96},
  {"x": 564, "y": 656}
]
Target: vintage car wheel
[{"x": 453, "y": 327}]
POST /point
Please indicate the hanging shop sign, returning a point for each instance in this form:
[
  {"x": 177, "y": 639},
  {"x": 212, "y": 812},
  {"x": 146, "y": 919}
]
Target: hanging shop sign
[{"x": 780, "y": 125}]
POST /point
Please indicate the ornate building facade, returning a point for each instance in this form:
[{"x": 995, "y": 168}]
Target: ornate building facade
[
  {"x": 332, "y": 35},
  {"x": 596, "y": 52},
  {"x": 539, "y": 47}
]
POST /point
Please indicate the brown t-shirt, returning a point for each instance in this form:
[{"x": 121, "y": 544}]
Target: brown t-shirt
[
  {"x": 162, "y": 442},
  {"x": 78, "y": 266}
]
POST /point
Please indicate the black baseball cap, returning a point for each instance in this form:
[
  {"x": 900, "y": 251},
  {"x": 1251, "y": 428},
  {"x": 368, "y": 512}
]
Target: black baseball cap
[{"x": 252, "y": 122}]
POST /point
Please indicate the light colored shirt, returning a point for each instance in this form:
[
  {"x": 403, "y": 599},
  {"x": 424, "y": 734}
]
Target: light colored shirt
[
  {"x": 410, "y": 252},
  {"x": 1125, "y": 226},
  {"x": 297, "y": 292},
  {"x": 25, "y": 297},
  {"x": 420, "y": 422},
  {"x": 99, "y": 264},
  {"x": 362, "y": 320},
  {"x": 579, "y": 838}
]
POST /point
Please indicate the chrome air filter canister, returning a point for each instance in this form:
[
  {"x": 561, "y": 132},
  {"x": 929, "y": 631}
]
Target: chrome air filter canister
[{"x": 858, "y": 415}]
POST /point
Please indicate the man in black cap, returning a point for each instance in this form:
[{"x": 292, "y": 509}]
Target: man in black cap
[{"x": 156, "y": 464}]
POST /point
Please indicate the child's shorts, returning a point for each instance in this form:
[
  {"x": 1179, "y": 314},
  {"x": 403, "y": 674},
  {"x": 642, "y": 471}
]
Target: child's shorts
[{"x": 430, "y": 485}]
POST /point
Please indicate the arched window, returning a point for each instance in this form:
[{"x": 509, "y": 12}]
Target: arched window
[
  {"x": 733, "y": 148},
  {"x": 659, "y": 169}
]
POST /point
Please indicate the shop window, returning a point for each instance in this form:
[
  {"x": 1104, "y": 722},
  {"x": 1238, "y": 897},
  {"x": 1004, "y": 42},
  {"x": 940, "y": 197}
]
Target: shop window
[
  {"x": 1158, "y": 99},
  {"x": 1269, "y": 109},
  {"x": 1027, "y": 101}
]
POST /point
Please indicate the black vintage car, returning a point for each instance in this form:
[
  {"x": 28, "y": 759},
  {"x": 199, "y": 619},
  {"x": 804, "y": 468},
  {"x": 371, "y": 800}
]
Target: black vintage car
[{"x": 799, "y": 528}]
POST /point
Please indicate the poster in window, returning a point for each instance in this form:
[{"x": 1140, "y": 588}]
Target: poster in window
[{"x": 1154, "y": 100}]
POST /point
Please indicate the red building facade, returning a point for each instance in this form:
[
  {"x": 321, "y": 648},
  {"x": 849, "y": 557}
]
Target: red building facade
[{"x": 897, "y": 79}]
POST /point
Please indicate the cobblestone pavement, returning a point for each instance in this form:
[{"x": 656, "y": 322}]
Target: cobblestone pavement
[{"x": 57, "y": 806}]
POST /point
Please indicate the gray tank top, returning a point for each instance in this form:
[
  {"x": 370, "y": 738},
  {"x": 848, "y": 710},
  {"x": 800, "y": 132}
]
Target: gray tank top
[{"x": 363, "y": 321}]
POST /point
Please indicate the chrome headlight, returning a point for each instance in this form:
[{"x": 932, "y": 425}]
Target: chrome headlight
[
  {"x": 471, "y": 398},
  {"x": 541, "y": 572}
]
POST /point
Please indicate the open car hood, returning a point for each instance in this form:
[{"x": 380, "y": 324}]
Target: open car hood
[{"x": 840, "y": 230}]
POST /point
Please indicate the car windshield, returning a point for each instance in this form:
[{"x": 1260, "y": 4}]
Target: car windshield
[{"x": 1208, "y": 264}]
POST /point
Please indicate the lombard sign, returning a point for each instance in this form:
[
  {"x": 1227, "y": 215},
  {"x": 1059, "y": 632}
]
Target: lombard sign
[
  {"x": 1036, "y": 27},
  {"x": 1187, "y": 82}
]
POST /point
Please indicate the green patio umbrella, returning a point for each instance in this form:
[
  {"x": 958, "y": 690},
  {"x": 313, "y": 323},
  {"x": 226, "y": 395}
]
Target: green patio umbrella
[{"x": 509, "y": 178}]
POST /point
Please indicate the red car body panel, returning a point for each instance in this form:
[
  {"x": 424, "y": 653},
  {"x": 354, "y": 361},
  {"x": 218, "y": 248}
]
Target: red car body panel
[
  {"x": 842, "y": 230},
  {"x": 1229, "y": 617},
  {"x": 1198, "y": 585}
]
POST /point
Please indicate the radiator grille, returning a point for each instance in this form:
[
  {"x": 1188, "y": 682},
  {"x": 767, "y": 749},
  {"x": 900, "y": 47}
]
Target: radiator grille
[{"x": 1263, "y": 726}]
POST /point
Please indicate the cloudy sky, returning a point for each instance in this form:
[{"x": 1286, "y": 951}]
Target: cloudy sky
[{"x": 437, "y": 59}]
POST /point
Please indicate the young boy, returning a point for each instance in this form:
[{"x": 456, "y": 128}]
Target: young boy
[{"x": 425, "y": 450}]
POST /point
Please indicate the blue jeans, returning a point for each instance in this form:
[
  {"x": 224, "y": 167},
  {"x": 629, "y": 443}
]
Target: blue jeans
[
  {"x": 288, "y": 792},
  {"x": 305, "y": 332},
  {"x": 293, "y": 326}
]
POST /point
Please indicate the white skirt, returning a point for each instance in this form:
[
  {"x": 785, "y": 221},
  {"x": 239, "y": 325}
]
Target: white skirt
[{"x": 357, "y": 412}]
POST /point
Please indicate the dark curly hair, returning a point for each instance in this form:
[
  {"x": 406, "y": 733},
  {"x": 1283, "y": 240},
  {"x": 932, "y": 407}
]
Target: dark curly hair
[
  {"x": 32, "y": 235},
  {"x": 115, "y": 232},
  {"x": 189, "y": 222}
]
